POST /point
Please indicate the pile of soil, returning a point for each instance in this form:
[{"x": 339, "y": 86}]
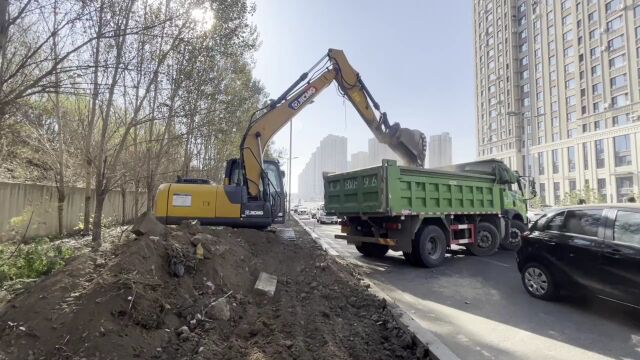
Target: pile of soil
[{"x": 156, "y": 298}]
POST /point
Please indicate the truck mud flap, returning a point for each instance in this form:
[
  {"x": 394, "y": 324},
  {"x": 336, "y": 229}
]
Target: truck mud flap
[{"x": 356, "y": 240}]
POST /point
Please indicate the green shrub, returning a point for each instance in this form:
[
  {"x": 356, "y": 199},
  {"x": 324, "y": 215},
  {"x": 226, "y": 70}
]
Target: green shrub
[{"x": 32, "y": 260}]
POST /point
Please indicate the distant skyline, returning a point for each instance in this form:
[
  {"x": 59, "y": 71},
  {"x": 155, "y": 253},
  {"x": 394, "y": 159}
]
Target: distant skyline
[{"x": 422, "y": 79}]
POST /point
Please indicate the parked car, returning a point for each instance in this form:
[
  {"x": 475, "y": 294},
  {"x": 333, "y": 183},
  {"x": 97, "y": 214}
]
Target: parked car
[
  {"x": 585, "y": 249},
  {"x": 535, "y": 214},
  {"x": 323, "y": 218},
  {"x": 303, "y": 213}
]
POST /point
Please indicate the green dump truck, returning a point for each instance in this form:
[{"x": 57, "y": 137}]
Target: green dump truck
[{"x": 423, "y": 212}]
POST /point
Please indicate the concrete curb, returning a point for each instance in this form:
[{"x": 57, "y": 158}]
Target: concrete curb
[{"x": 437, "y": 349}]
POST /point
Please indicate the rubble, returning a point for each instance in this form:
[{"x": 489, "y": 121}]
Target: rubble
[
  {"x": 147, "y": 224},
  {"x": 155, "y": 297},
  {"x": 266, "y": 284}
]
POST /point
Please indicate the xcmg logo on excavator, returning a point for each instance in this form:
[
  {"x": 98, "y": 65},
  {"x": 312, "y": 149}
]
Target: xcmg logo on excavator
[{"x": 302, "y": 98}]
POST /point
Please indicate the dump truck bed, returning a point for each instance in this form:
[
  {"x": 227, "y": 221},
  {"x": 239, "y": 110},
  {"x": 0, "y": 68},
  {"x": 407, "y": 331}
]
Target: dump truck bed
[{"x": 390, "y": 189}]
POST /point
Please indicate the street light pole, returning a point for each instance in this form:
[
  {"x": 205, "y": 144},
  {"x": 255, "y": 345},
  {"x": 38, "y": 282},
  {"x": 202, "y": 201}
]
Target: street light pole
[{"x": 289, "y": 167}]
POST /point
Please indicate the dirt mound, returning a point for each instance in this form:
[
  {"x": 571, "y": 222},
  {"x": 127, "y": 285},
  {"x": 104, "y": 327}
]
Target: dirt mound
[{"x": 157, "y": 298}]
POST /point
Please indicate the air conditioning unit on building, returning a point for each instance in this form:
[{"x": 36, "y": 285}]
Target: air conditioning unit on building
[
  {"x": 603, "y": 30},
  {"x": 635, "y": 117},
  {"x": 606, "y": 105},
  {"x": 603, "y": 49}
]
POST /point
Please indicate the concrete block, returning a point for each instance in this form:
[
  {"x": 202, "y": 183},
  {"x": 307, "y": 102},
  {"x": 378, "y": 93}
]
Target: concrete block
[{"x": 266, "y": 283}]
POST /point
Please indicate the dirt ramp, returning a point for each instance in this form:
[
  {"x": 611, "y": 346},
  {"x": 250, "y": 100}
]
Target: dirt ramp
[{"x": 188, "y": 294}]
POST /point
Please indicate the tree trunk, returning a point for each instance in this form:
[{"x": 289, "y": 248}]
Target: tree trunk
[
  {"x": 61, "y": 146},
  {"x": 96, "y": 231},
  {"x": 123, "y": 192}
]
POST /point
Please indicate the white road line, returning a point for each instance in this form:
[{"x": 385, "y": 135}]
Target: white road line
[{"x": 493, "y": 262}]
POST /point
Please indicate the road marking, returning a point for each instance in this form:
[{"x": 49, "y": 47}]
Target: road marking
[{"x": 494, "y": 262}]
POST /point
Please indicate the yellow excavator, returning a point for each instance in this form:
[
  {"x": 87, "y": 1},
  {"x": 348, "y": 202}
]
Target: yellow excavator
[{"x": 253, "y": 193}]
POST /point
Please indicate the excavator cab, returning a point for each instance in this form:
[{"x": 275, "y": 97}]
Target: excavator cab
[{"x": 269, "y": 205}]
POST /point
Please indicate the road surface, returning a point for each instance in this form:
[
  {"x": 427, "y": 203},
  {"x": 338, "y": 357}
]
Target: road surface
[{"x": 479, "y": 309}]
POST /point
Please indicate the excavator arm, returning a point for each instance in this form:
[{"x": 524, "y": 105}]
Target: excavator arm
[{"x": 409, "y": 144}]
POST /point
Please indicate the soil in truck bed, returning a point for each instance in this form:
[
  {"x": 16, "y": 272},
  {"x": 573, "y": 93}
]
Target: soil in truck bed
[{"x": 155, "y": 298}]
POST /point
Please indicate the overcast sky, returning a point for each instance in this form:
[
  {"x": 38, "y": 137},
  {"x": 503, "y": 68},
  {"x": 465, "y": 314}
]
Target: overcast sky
[{"x": 416, "y": 57}]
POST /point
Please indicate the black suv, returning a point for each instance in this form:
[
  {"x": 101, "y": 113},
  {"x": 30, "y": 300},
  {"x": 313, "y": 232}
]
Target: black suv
[{"x": 584, "y": 248}]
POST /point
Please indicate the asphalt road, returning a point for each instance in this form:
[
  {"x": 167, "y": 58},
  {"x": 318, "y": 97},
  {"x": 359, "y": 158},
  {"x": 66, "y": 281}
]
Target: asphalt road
[{"x": 479, "y": 309}]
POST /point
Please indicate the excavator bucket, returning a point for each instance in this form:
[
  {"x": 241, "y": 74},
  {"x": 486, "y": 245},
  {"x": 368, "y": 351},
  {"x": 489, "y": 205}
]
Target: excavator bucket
[{"x": 413, "y": 143}]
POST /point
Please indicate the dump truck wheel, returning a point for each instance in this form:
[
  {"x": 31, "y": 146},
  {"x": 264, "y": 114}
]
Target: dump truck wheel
[
  {"x": 408, "y": 256},
  {"x": 513, "y": 239},
  {"x": 487, "y": 240},
  {"x": 430, "y": 247},
  {"x": 372, "y": 250}
]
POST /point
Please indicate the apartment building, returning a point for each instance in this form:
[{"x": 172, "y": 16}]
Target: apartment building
[
  {"x": 557, "y": 92},
  {"x": 330, "y": 156},
  {"x": 439, "y": 150}
]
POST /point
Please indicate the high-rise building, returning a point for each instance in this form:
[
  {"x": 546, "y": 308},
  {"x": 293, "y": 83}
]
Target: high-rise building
[
  {"x": 439, "y": 150},
  {"x": 329, "y": 156},
  {"x": 379, "y": 151},
  {"x": 557, "y": 92},
  {"x": 359, "y": 160}
]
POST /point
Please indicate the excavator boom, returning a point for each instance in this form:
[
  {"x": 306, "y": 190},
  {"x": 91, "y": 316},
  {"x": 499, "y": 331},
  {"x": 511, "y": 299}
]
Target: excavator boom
[{"x": 410, "y": 145}]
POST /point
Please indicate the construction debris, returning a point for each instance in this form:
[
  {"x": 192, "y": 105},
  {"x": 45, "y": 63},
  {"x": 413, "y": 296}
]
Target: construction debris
[
  {"x": 156, "y": 299},
  {"x": 266, "y": 283},
  {"x": 147, "y": 224}
]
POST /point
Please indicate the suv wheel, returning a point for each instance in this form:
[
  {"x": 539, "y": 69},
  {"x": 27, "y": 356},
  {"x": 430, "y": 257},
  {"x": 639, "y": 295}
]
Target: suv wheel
[
  {"x": 513, "y": 239},
  {"x": 538, "y": 281}
]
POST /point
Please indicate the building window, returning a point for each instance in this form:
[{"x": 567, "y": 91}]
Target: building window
[
  {"x": 555, "y": 161},
  {"x": 597, "y": 107},
  {"x": 593, "y": 16},
  {"x": 622, "y": 150},
  {"x": 596, "y": 70},
  {"x": 618, "y": 100},
  {"x": 524, "y": 88},
  {"x": 616, "y": 43},
  {"x": 523, "y": 34},
  {"x": 541, "y": 163},
  {"x": 555, "y": 137},
  {"x": 571, "y": 158},
  {"x": 565, "y": 4},
  {"x": 594, "y": 52},
  {"x": 585, "y": 156},
  {"x": 567, "y": 20},
  {"x": 598, "y": 125},
  {"x": 618, "y": 81},
  {"x": 569, "y": 68},
  {"x": 597, "y": 88},
  {"x": 594, "y": 34},
  {"x": 602, "y": 188},
  {"x": 600, "y": 159},
  {"x": 524, "y": 75},
  {"x": 621, "y": 119},
  {"x": 614, "y": 24},
  {"x": 572, "y": 186},
  {"x": 524, "y": 61},
  {"x": 617, "y": 62},
  {"x": 571, "y": 133},
  {"x": 570, "y": 84},
  {"x": 612, "y": 6},
  {"x": 543, "y": 192},
  {"x": 636, "y": 11},
  {"x": 567, "y": 36},
  {"x": 571, "y": 117},
  {"x": 552, "y": 60},
  {"x": 624, "y": 188},
  {"x": 556, "y": 193}
]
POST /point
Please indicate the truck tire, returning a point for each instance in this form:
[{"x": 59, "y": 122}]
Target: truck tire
[
  {"x": 512, "y": 239},
  {"x": 372, "y": 250},
  {"x": 430, "y": 247},
  {"x": 408, "y": 256},
  {"x": 487, "y": 240}
]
